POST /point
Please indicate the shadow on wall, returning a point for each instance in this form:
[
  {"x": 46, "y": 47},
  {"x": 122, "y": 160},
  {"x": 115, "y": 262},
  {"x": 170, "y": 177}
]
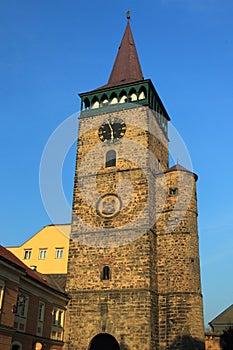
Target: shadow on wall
[
  {"x": 226, "y": 339},
  {"x": 186, "y": 342}
]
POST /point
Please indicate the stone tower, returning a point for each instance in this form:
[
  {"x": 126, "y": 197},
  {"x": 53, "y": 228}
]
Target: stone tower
[{"x": 133, "y": 271}]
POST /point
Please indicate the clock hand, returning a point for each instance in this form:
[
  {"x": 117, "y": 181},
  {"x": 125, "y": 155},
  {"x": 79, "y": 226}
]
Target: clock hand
[{"x": 111, "y": 130}]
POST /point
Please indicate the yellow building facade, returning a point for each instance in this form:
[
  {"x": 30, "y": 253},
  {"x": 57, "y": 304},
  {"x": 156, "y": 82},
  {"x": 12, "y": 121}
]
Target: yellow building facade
[{"x": 47, "y": 250}]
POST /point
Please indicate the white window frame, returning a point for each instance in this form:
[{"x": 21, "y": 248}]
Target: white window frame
[
  {"x": 21, "y": 312},
  {"x": 59, "y": 253},
  {"x": 27, "y": 254},
  {"x": 58, "y": 317},
  {"x": 22, "y": 305},
  {"x": 40, "y": 318},
  {"x": 42, "y": 253},
  {"x": 41, "y": 310}
]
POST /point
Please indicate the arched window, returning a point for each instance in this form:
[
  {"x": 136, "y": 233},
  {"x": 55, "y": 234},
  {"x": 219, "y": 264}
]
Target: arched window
[
  {"x": 104, "y": 100},
  {"x": 16, "y": 346},
  {"x": 110, "y": 158},
  {"x": 86, "y": 103},
  {"x": 106, "y": 273},
  {"x": 113, "y": 99},
  {"x": 95, "y": 103},
  {"x": 142, "y": 94},
  {"x": 133, "y": 95},
  {"x": 123, "y": 97}
]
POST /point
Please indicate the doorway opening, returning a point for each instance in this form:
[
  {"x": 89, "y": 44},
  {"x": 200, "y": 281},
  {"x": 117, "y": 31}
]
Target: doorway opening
[{"x": 104, "y": 341}]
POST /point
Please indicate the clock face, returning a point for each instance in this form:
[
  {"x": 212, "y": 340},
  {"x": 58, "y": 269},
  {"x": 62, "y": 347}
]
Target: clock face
[{"x": 112, "y": 129}]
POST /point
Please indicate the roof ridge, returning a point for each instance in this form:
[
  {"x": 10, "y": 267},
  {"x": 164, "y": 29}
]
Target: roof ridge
[{"x": 11, "y": 258}]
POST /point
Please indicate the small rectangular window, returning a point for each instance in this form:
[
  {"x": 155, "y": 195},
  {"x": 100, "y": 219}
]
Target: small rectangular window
[
  {"x": 106, "y": 273},
  {"x": 42, "y": 254},
  {"x": 41, "y": 311},
  {"x": 27, "y": 254},
  {"x": 22, "y": 305},
  {"x": 173, "y": 191},
  {"x": 111, "y": 158},
  {"x": 57, "y": 317},
  {"x": 59, "y": 253}
]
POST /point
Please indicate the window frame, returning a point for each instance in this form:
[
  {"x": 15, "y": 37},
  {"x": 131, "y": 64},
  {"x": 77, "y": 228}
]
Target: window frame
[
  {"x": 41, "y": 311},
  {"x": 106, "y": 273},
  {"x": 59, "y": 253},
  {"x": 27, "y": 252},
  {"x": 110, "y": 159},
  {"x": 58, "y": 317},
  {"x": 22, "y": 306},
  {"x": 173, "y": 191},
  {"x": 42, "y": 253},
  {"x": 57, "y": 326}
]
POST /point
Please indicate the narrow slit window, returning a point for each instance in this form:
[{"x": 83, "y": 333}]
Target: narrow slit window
[
  {"x": 41, "y": 311},
  {"x": 106, "y": 273},
  {"x": 110, "y": 158}
]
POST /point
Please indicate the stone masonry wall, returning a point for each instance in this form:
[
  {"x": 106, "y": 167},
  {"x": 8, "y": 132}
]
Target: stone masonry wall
[
  {"x": 151, "y": 299},
  {"x": 178, "y": 266}
]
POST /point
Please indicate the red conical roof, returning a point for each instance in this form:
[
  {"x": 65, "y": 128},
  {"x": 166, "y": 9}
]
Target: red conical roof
[
  {"x": 126, "y": 68},
  {"x": 178, "y": 167}
]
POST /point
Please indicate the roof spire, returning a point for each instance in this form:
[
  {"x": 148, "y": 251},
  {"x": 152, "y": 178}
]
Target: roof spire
[{"x": 126, "y": 68}]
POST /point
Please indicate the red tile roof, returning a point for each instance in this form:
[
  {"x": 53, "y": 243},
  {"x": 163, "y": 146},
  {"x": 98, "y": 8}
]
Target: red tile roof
[
  {"x": 8, "y": 256},
  {"x": 179, "y": 167},
  {"x": 11, "y": 258}
]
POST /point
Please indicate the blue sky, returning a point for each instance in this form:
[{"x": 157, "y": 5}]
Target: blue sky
[{"x": 52, "y": 50}]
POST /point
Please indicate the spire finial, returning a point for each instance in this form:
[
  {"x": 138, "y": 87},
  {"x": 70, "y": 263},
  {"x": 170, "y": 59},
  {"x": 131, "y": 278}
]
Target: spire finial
[
  {"x": 128, "y": 15},
  {"x": 126, "y": 68}
]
